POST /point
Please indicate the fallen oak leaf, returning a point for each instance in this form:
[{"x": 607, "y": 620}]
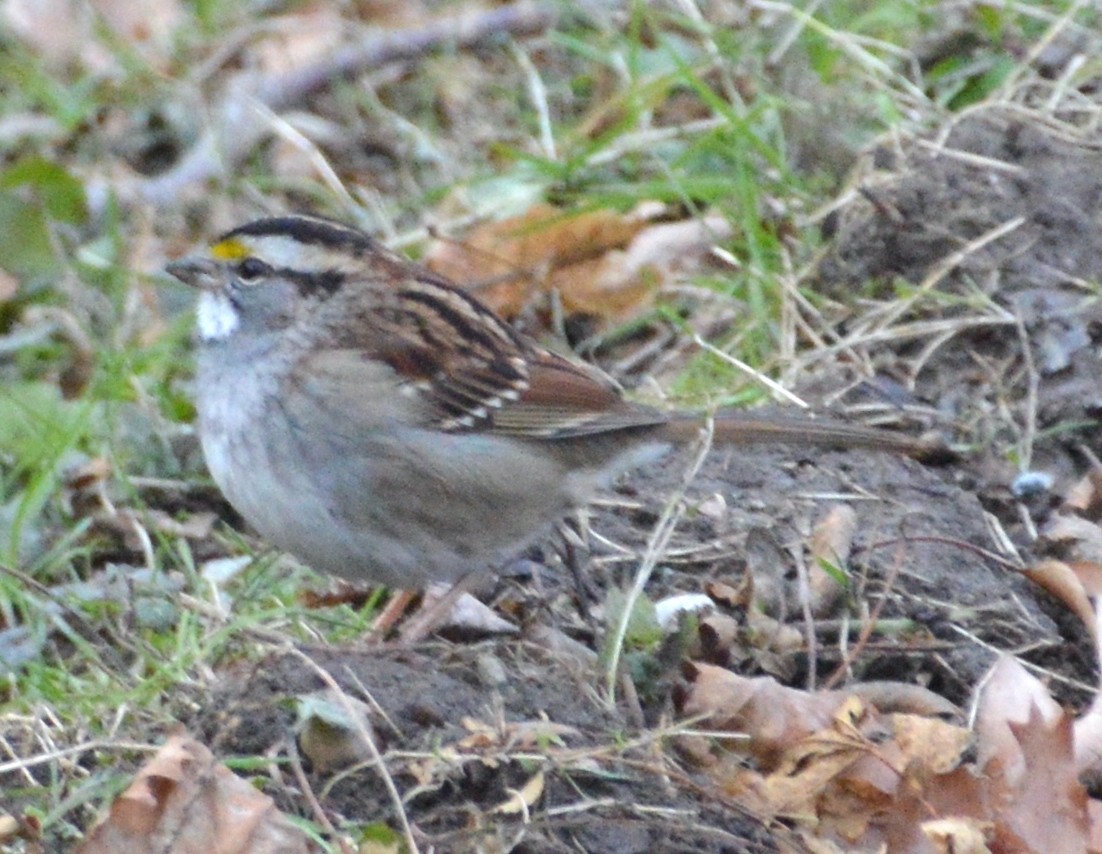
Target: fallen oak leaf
[
  {"x": 959, "y": 835},
  {"x": 934, "y": 744},
  {"x": 183, "y": 801},
  {"x": 1027, "y": 755},
  {"x": 620, "y": 284},
  {"x": 507, "y": 261},
  {"x": 1010, "y": 695},
  {"x": 1088, "y": 727},
  {"x": 810, "y": 764},
  {"x": 773, "y": 716}
]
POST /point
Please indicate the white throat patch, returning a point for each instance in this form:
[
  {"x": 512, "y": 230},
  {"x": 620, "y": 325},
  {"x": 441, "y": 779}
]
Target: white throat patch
[{"x": 217, "y": 318}]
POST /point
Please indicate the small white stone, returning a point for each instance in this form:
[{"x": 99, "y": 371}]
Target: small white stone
[{"x": 666, "y": 610}]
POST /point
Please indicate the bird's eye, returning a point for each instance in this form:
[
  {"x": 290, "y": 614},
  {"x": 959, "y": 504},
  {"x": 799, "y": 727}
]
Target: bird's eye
[{"x": 252, "y": 269}]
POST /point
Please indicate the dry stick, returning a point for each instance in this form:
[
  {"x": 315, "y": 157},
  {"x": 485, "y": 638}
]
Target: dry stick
[
  {"x": 237, "y": 125},
  {"x": 809, "y": 619},
  {"x": 311, "y": 798},
  {"x": 65, "y": 752},
  {"x": 778, "y": 390},
  {"x": 369, "y": 742},
  {"x": 1033, "y": 383},
  {"x": 869, "y": 625},
  {"x": 656, "y": 549}
]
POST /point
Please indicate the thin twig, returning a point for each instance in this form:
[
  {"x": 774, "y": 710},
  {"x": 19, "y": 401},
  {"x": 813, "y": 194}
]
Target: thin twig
[
  {"x": 771, "y": 384},
  {"x": 369, "y": 741},
  {"x": 311, "y": 798},
  {"x": 656, "y": 547},
  {"x": 242, "y": 119}
]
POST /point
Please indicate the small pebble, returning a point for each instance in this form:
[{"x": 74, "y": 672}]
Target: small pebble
[
  {"x": 667, "y": 610},
  {"x": 1032, "y": 484},
  {"x": 491, "y": 672}
]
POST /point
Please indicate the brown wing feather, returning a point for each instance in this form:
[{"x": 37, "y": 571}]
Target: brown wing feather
[
  {"x": 444, "y": 345},
  {"x": 565, "y": 399},
  {"x": 474, "y": 372}
]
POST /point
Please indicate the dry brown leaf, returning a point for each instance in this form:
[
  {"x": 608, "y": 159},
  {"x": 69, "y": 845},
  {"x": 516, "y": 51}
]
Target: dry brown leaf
[
  {"x": 830, "y": 543},
  {"x": 1027, "y": 757},
  {"x": 183, "y": 801},
  {"x": 773, "y": 716},
  {"x": 808, "y": 768},
  {"x": 924, "y": 797},
  {"x": 508, "y": 261},
  {"x": 718, "y": 634},
  {"x": 959, "y": 835},
  {"x": 1075, "y": 537},
  {"x": 1010, "y": 695},
  {"x": 1085, "y": 496},
  {"x": 601, "y": 263},
  {"x": 1088, "y": 728},
  {"x": 862, "y": 779},
  {"x": 934, "y": 744},
  {"x": 1059, "y": 579},
  {"x": 1048, "y": 809},
  {"x": 88, "y": 473},
  {"x": 841, "y": 777},
  {"x": 621, "y": 283},
  {"x": 738, "y": 595},
  {"x": 601, "y": 287}
]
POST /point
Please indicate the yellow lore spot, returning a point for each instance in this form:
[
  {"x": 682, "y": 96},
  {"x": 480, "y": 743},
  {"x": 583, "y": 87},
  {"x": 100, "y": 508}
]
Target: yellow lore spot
[{"x": 230, "y": 249}]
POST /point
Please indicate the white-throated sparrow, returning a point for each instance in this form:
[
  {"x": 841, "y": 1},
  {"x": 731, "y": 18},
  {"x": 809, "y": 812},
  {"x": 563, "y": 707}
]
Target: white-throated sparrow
[{"x": 383, "y": 425}]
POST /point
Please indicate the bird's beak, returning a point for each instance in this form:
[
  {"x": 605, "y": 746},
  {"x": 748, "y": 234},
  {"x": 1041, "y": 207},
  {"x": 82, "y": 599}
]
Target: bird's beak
[{"x": 200, "y": 273}]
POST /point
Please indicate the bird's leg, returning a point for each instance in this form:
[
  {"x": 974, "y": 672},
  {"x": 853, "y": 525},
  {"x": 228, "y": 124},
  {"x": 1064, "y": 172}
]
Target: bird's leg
[
  {"x": 572, "y": 546},
  {"x": 432, "y": 615}
]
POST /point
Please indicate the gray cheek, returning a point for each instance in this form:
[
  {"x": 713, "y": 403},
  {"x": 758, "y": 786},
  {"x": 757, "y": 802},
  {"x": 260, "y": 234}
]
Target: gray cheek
[{"x": 269, "y": 307}]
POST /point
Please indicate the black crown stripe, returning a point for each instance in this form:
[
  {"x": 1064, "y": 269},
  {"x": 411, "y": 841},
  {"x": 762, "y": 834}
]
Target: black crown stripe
[{"x": 311, "y": 230}]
